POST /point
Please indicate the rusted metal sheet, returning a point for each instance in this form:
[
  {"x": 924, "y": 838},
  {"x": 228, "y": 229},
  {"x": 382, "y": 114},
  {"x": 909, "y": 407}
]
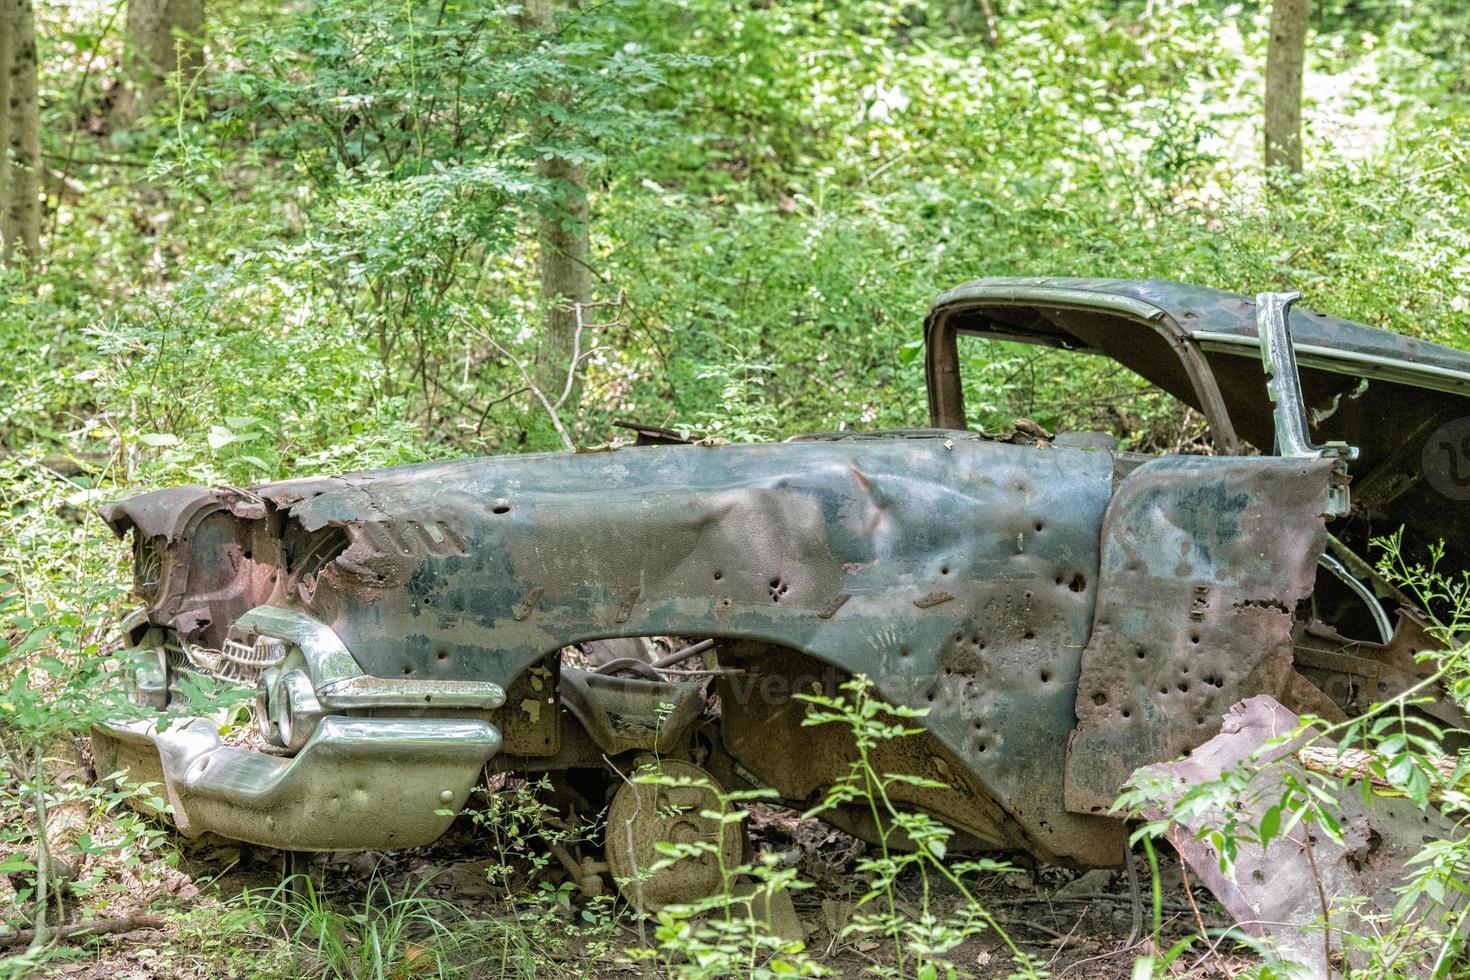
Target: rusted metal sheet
[
  {"x": 1203, "y": 563},
  {"x": 1278, "y": 892}
]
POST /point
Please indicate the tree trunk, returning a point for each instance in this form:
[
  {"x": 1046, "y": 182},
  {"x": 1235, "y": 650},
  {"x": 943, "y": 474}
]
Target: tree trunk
[
  {"x": 162, "y": 37},
  {"x": 566, "y": 276},
  {"x": 992, "y": 34},
  {"x": 1285, "y": 56},
  {"x": 22, "y": 131},
  {"x": 9, "y": 27}
]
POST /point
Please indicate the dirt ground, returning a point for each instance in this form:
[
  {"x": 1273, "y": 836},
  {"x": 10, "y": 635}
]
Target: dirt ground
[{"x": 1078, "y": 924}]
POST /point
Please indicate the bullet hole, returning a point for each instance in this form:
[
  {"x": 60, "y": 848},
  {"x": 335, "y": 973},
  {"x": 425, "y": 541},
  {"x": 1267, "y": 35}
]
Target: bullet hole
[
  {"x": 1194, "y": 638},
  {"x": 1038, "y": 525},
  {"x": 1127, "y": 713},
  {"x": 407, "y": 670},
  {"x": 1078, "y": 583},
  {"x": 1099, "y": 699},
  {"x": 982, "y": 747},
  {"x": 719, "y": 575},
  {"x": 246, "y": 555},
  {"x": 943, "y": 569},
  {"x": 500, "y": 509},
  {"x": 1140, "y": 653},
  {"x": 1184, "y": 687},
  {"x": 1213, "y": 681},
  {"x": 1029, "y": 634},
  {"x": 903, "y": 652},
  {"x": 1046, "y": 677},
  {"x": 442, "y": 655},
  {"x": 1164, "y": 689}
]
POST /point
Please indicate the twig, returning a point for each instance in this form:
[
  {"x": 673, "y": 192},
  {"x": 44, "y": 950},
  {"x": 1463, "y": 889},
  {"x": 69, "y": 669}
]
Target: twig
[
  {"x": 1079, "y": 900},
  {"x": 1135, "y": 894},
  {"x": 540, "y": 395},
  {"x": 637, "y": 877},
  {"x": 37, "y": 939},
  {"x": 98, "y": 927},
  {"x": 1199, "y": 920},
  {"x": 1063, "y": 945},
  {"x": 1322, "y": 898}
]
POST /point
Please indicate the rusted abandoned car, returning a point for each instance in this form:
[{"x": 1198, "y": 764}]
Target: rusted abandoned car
[{"x": 1066, "y": 612}]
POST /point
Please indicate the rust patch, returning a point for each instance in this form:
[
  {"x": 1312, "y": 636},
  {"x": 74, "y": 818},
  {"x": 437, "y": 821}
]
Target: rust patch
[
  {"x": 625, "y": 608},
  {"x": 830, "y": 609},
  {"x": 528, "y": 606}
]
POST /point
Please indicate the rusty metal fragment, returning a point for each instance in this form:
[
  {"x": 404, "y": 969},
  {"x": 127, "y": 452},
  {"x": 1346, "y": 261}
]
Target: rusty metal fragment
[{"x": 1278, "y": 892}]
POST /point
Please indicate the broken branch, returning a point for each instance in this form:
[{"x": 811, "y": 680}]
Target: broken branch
[{"x": 96, "y": 927}]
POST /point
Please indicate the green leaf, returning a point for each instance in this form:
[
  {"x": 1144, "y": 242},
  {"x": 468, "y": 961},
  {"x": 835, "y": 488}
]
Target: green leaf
[
  {"x": 220, "y": 437},
  {"x": 1270, "y": 824},
  {"x": 16, "y": 862},
  {"x": 158, "y": 440}
]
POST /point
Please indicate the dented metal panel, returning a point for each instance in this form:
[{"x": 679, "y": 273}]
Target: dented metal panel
[
  {"x": 1203, "y": 563},
  {"x": 759, "y": 542}
]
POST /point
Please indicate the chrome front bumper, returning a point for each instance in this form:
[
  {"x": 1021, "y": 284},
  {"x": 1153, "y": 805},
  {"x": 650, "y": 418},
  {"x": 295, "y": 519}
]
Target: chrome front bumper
[
  {"x": 358, "y": 784},
  {"x": 338, "y": 781}
]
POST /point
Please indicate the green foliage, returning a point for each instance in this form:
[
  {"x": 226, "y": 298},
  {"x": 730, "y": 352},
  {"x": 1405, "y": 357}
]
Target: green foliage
[{"x": 910, "y": 843}]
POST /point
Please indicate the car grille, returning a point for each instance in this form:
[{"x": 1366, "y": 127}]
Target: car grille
[{"x": 236, "y": 661}]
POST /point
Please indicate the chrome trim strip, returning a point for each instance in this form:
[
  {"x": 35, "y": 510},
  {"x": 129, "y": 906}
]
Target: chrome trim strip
[
  {"x": 1348, "y": 362},
  {"x": 340, "y": 682}
]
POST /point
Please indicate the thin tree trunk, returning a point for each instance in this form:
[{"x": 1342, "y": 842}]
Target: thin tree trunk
[
  {"x": 566, "y": 277},
  {"x": 43, "y": 854},
  {"x": 1285, "y": 57},
  {"x": 22, "y": 218},
  {"x": 9, "y": 27},
  {"x": 162, "y": 37},
  {"x": 992, "y": 33}
]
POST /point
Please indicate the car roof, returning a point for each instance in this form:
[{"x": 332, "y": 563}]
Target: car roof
[
  {"x": 1224, "y": 321},
  {"x": 1398, "y": 399}
]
